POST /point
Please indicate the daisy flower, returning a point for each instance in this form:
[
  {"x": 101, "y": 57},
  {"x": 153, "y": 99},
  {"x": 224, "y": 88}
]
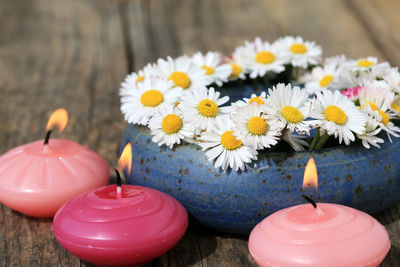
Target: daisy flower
[
  {"x": 182, "y": 72},
  {"x": 352, "y": 93},
  {"x": 375, "y": 101},
  {"x": 364, "y": 69},
  {"x": 131, "y": 81},
  {"x": 392, "y": 78},
  {"x": 139, "y": 105},
  {"x": 168, "y": 127},
  {"x": 300, "y": 53},
  {"x": 383, "y": 118},
  {"x": 376, "y": 92},
  {"x": 225, "y": 148},
  {"x": 262, "y": 57},
  {"x": 237, "y": 63},
  {"x": 320, "y": 78},
  {"x": 201, "y": 107},
  {"x": 255, "y": 128},
  {"x": 258, "y": 99},
  {"x": 369, "y": 136},
  {"x": 336, "y": 61},
  {"x": 395, "y": 106},
  {"x": 338, "y": 116},
  {"x": 212, "y": 64},
  {"x": 290, "y": 106}
]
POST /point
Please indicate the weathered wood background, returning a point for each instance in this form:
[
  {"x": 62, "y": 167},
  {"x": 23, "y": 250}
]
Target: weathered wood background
[{"x": 74, "y": 54}]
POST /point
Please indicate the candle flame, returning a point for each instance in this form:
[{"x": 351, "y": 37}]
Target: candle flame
[
  {"x": 310, "y": 175},
  {"x": 125, "y": 161},
  {"x": 59, "y": 119}
]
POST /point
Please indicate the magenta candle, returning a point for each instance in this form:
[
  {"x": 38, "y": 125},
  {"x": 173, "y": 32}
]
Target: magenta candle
[
  {"x": 330, "y": 235},
  {"x": 319, "y": 235},
  {"x": 38, "y": 178},
  {"x": 129, "y": 228}
]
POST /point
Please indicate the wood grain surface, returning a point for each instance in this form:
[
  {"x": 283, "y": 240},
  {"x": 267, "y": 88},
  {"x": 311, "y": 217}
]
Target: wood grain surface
[{"x": 74, "y": 54}]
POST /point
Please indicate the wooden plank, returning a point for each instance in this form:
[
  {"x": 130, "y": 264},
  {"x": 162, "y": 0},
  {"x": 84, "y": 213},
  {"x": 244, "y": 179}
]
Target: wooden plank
[
  {"x": 56, "y": 54},
  {"x": 179, "y": 27},
  {"x": 391, "y": 220},
  {"x": 382, "y": 22},
  {"x": 220, "y": 249}
]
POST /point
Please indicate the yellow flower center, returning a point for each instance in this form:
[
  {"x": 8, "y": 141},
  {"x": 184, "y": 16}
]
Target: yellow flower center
[
  {"x": 365, "y": 63},
  {"x": 292, "y": 114},
  {"x": 383, "y": 114},
  {"x": 236, "y": 70},
  {"x": 140, "y": 78},
  {"x": 385, "y": 117},
  {"x": 372, "y": 105},
  {"x": 265, "y": 57},
  {"x": 398, "y": 84},
  {"x": 395, "y": 107},
  {"x": 298, "y": 48},
  {"x": 180, "y": 79},
  {"x": 326, "y": 80},
  {"x": 257, "y": 99},
  {"x": 257, "y": 125},
  {"x": 229, "y": 141},
  {"x": 208, "y": 108},
  {"x": 335, "y": 114},
  {"x": 171, "y": 124},
  {"x": 209, "y": 70},
  {"x": 151, "y": 98}
]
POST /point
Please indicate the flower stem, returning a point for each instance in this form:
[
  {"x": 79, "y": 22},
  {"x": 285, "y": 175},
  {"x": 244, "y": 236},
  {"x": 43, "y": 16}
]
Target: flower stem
[
  {"x": 297, "y": 73},
  {"x": 322, "y": 141},
  {"x": 315, "y": 140}
]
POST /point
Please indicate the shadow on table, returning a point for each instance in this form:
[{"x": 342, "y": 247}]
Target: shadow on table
[
  {"x": 390, "y": 215},
  {"x": 393, "y": 257}
]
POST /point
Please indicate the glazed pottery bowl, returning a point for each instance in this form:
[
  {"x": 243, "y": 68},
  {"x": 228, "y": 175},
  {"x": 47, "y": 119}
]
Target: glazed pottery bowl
[{"x": 235, "y": 202}]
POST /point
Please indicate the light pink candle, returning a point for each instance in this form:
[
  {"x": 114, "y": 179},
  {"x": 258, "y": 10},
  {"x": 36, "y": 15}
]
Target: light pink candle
[
  {"x": 37, "y": 178},
  {"x": 328, "y": 235}
]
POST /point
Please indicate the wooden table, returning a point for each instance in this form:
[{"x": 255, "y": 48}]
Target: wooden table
[{"x": 74, "y": 54}]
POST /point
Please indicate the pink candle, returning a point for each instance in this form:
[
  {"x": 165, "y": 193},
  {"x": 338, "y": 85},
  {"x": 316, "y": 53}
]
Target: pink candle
[
  {"x": 328, "y": 235},
  {"x": 133, "y": 229},
  {"x": 127, "y": 225},
  {"x": 37, "y": 179}
]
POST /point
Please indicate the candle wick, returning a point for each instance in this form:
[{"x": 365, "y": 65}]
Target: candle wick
[
  {"x": 46, "y": 140},
  {"x": 312, "y": 202},
  {"x": 118, "y": 182}
]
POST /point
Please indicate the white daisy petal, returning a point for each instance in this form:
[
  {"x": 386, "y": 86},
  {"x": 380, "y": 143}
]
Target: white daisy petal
[
  {"x": 338, "y": 115},
  {"x": 168, "y": 127},
  {"x": 229, "y": 151}
]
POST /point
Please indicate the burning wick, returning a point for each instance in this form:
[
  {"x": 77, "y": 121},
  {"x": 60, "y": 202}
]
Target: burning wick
[
  {"x": 118, "y": 183},
  {"x": 310, "y": 180},
  {"x": 46, "y": 139},
  {"x": 59, "y": 119},
  {"x": 312, "y": 202}
]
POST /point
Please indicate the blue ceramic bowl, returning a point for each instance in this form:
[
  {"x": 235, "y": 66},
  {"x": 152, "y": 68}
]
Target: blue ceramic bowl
[{"x": 235, "y": 202}]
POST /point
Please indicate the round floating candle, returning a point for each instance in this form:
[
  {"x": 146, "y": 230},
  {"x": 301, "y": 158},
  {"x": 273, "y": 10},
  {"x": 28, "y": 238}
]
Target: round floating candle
[
  {"x": 120, "y": 225},
  {"x": 319, "y": 235},
  {"x": 38, "y": 178},
  {"x": 129, "y": 228},
  {"x": 330, "y": 235}
]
